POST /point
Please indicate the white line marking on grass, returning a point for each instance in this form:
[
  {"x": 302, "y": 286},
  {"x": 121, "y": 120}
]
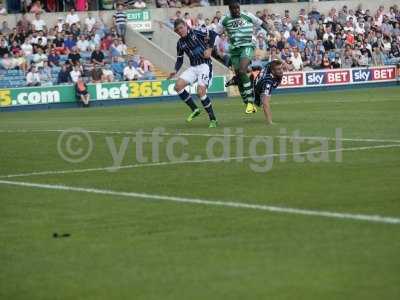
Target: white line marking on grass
[
  {"x": 226, "y": 159},
  {"x": 274, "y": 209},
  {"x": 210, "y": 135}
]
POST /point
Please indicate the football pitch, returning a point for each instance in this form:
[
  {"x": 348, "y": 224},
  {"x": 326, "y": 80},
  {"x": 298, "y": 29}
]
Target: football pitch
[{"x": 132, "y": 202}]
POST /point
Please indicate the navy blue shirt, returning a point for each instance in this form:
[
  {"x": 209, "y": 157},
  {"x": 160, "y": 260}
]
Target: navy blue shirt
[
  {"x": 194, "y": 44},
  {"x": 266, "y": 81}
]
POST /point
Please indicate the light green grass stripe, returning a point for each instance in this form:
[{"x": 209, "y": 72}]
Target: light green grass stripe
[{"x": 274, "y": 209}]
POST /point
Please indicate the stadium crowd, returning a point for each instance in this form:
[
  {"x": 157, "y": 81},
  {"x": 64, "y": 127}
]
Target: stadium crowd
[
  {"x": 32, "y": 6},
  {"x": 344, "y": 38},
  {"x": 37, "y": 53},
  {"x": 72, "y": 48}
]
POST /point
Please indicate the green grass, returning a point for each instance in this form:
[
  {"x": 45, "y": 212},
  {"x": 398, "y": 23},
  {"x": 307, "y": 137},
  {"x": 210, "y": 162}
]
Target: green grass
[{"x": 128, "y": 248}]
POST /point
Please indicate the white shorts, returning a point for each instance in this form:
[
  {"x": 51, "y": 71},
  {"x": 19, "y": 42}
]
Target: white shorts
[{"x": 200, "y": 74}]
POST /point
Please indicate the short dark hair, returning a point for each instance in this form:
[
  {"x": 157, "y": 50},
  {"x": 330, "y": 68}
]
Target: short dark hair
[
  {"x": 178, "y": 22},
  {"x": 275, "y": 63},
  {"x": 233, "y": 2}
]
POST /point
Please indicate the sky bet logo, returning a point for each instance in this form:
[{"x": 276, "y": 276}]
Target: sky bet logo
[
  {"x": 364, "y": 75},
  {"x": 361, "y": 75},
  {"x": 315, "y": 78},
  {"x": 329, "y": 77}
]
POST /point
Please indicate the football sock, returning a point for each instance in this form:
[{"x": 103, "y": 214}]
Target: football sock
[
  {"x": 247, "y": 94},
  {"x": 187, "y": 98},
  {"x": 205, "y": 100}
]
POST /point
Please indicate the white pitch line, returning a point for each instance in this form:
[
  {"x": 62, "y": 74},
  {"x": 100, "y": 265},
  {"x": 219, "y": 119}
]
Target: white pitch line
[
  {"x": 210, "y": 135},
  {"x": 274, "y": 209},
  {"x": 198, "y": 161}
]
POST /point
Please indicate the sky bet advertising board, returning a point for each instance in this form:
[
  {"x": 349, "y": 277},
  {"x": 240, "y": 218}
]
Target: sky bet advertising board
[{"x": 333, "y": 77}]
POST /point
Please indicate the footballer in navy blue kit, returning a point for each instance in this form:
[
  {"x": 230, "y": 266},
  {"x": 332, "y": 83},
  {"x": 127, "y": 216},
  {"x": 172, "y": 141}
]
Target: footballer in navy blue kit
[
  {"x": 197, "y": 45},
  {"x": 266, "y": 81}
]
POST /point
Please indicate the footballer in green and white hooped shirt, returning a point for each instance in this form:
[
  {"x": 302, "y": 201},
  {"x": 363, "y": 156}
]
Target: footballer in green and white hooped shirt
[{"x": 239, "y": 27}]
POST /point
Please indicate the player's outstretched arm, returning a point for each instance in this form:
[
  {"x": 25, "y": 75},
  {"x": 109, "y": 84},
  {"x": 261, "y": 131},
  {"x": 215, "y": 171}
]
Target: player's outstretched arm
[{"x": 267, "y": 109}]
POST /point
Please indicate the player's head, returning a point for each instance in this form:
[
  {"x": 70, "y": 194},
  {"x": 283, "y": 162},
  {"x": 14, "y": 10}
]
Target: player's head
[
  {"x": 180, "y": 27},
  {"x": 276, "y": 69},
  {"x": 234, "y": 8}
]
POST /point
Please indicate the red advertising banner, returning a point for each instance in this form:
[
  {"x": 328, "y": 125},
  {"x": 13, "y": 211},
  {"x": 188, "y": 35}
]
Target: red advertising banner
[{"x": 293, "y": 80}]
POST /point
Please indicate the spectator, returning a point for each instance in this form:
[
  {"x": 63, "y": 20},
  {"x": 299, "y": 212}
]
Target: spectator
[
  {"x": 83, "y": 43},
  {"x": 292, "y": 40},
  {"x": 325, "y": 64},
  {"x": 314, "y": 14},
  {"x": 336, "y": 62},
  {"x": 347, "y": 61},
  {"x": 363, "y": 59},
  {"x": 378, "y": 59},
  {"x": 76, "y": 73},
  {"x": 24, "y": 25},
  {"x": 53, "y": 58},
  {"x": 75, "y": 30},
  {"x": 147, "y": 67},
  {"x": 20, "y": 61},
  {"x": 106, "y": 42},
  {"x": 60, "y": 24},
  {"x": 140, "y": 4},
  {"x": 107, "y": 74},
  {"x": 287, "y": 65},
  {"x": 296, "y": 60},
  {"x": 5, "y": 30},
  {"x": 329, "y": 44},
  {"x": 36, "y": 8},
  {"x": 97, "y": 57},
  {"x": 59, "y": 45},
  {"x": 162, "y": 4},
  {"x": 3, "y": 48},
  {"x": 38, "y": 24},
  {"x": 261, "y": 43},
  {"x": 45, "y": 74},
  {"x": 74, "y": 57},
  {"x": 33, "y": 78},
  {"x": 188, "y": 20},
  {"x": 120, "y": 20},
  {"x": 81, "y": 5},
  {"x": 130, "y": 72},
  {"x": 72, "y": 18},
  {"x": 39, "y": 58},
  {"x": 90, "y": 21},
  {"x": 96, "y": 74},
  {"x": 27, "y": 48},
  {"x": 121, "y": 47},
  {"x": 92, "y": 43},
  {"x": 117, "y": 66},
  {"x": 69, "y": 42},
  {"x": 14, "y": 49},
  {"x": 113, "y": 49}
]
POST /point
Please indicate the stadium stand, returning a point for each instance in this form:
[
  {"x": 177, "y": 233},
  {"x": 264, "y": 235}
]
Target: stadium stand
[{"x": 343, "y": 38}]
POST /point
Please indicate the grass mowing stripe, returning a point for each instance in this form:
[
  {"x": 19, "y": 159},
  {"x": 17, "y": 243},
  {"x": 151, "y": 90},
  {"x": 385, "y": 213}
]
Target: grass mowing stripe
[
  {"x": 231, "y": 158},
  {"x": 274, "y": 209}
]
